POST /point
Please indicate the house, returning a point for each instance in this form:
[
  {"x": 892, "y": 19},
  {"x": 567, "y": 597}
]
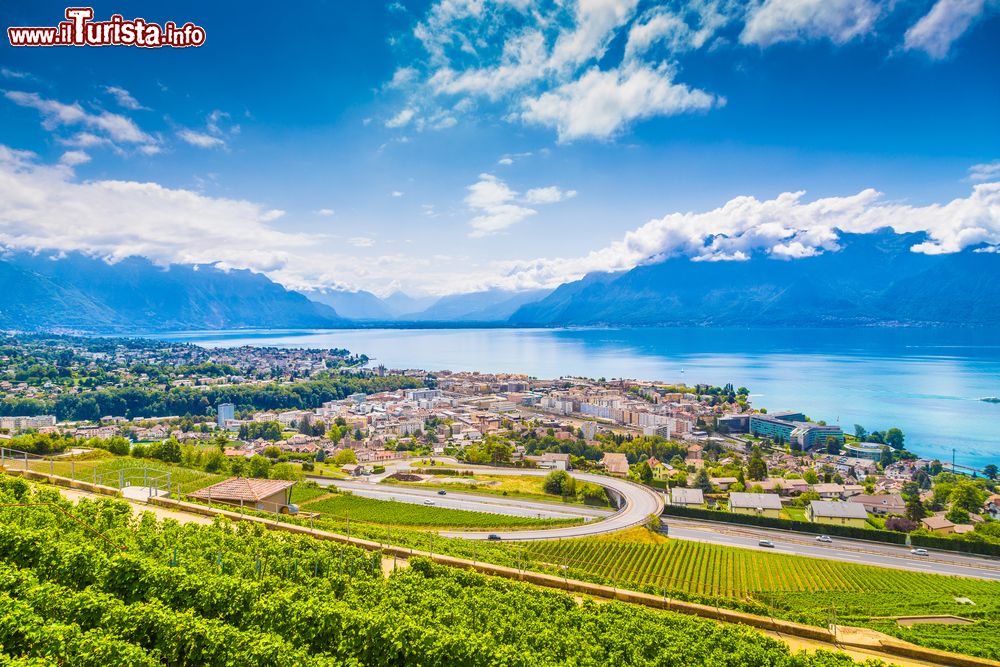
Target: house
[
  {"x": 268, "y": 495},
  {"x": 723, "y": 483},
  {"x": 615, "y": 463},
  {"x": 838, "y": 513},
  {"x": 938, "y": 524},
  {"x": 829, "y": 491},
  {"x": 687, "y": 497},
  {"x": 890, "y": 503},
  {"x": 555, "y": 461},
  {"x": 761, "y": 504}
]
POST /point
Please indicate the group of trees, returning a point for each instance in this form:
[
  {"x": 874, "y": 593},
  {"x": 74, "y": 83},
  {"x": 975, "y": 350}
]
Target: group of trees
[
  {"x": 151, "y": 402},
  {"x": 561, "y": 483}
]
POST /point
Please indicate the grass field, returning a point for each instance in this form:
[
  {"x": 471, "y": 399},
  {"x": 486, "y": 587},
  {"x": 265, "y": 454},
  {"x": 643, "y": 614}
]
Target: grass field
[
  {"x": 107, "y": 469},
  {"x": 527, "y": 487},
  {"x": 387, "y": 512},
  {"x": 811, "y": 590}
]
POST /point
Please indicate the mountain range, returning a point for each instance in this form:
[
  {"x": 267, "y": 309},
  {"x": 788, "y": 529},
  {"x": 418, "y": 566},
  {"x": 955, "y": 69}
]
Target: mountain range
[
  {"x": 874, "y": 279},
  {"x": 85, "y": 293}
]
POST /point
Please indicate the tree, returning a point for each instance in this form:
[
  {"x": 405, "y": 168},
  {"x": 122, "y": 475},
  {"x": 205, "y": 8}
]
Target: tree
[
  {"x": 345, "y": 457},
  {"x": 832, "y": 445},
  {"x": 894, "y": 438},
  {"x": 811, "y": 477},
  {"x": 915, "y": 510},
  {"x": 285, "y": 471},
  {"x": 643, "y": 472},
  {"x": 990, "y": 470},
  {"x": 756, "y": 468},
  {"x": 702, "y": 480},
  {"x": 272, "y": 452},
  {"x": 258, "y": 466},
  {"x": 860, "y": 433},
  {"x": 320, "y": 456},
  {"x": 957, "y": 515},
  {"x": 559, "y": 483},
  {"x": 968, "y": 496},
  {"x": 885, "y": 458}
]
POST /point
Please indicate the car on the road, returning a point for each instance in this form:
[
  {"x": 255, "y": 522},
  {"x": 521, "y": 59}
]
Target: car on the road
[
  {"x": 766, "y": 543},
  {"x": 919, "y": 552},
  {"x": 442, "y": 492},
  {"x": 428, "y": 502},
  {"x": 825, "y": 539},
  {"x": 493, "y": 536}
]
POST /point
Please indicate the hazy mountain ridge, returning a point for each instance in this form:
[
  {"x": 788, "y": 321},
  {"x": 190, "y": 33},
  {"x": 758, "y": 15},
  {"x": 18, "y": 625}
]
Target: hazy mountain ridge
[
  {"x": 874, "y": 279},
  {"x": 81, "y": 292}
]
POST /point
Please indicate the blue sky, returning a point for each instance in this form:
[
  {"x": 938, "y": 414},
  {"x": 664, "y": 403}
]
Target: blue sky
[{"x": 440, "y": 147}]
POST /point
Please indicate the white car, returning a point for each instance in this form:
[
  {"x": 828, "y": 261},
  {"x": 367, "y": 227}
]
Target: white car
[
  {"x": 919, "y": 552},
  {"x": 766, "y": 543},
  {"x": 428, "y": 502},
  {"x": 825, "y": 539}
]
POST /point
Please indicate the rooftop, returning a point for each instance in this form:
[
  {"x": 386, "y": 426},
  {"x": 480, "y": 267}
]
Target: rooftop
[
  {"x": 838, "y": 510},
  {"x": 247, "y": 489}
]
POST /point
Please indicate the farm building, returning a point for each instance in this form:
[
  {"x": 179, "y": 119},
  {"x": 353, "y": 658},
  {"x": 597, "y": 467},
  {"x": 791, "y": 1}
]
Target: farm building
[{"x": 268, "y": 495}]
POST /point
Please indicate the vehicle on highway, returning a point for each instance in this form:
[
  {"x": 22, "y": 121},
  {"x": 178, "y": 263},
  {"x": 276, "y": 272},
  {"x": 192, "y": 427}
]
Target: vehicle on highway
[
  {"x": 442, "y": 492},
  {"x": 825, "y": 539},
  {"x": 919, "y": 552},
  {"x": 428, "y": 502},
  {"x": 493, "y": 536},
  {"x": 766, "y": 543}
]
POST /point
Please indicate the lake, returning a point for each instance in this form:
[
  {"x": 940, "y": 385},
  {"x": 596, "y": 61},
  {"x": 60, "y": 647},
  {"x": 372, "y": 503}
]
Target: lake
[{"x": 925, "y": 381}]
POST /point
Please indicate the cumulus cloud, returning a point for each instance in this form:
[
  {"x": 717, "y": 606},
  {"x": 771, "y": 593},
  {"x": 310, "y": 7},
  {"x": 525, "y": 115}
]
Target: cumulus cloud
[
  {"x": 601, "y": 103},
  {"x": 942, "y": 25},
  {"x": 840, "y": 21},
  {"x": 73, "y": 158},
  {"x": 499, "y": 207},
  {"x": 325, "y": 212},
  {"x": 214, "y": 135},
  {"x": 786, "y": 227},
  {"x": 401, "y": 119},
  {"x": 102, "y": 126},
  {"x": 118, "y": 219}
]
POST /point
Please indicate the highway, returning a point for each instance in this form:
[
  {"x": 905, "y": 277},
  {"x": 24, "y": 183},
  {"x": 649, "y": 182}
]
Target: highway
[
  {"x": 852, "y": 551},
  {"x": 642, "y": 501},
  {"x": 470, "y": 502}
]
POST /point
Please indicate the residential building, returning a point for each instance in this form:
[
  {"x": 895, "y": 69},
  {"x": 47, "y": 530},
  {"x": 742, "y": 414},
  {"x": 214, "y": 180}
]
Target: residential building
[
  {"x": 615, "y": 463},
  {"x": 760, "y": 504},
  {"x": 224, "y": 413},
  {"x": 890, "y": 503},
  {"x": 938, "y": 524},
  {"x": 687, "y": 497},
  {"x": 839, "y": 513}
]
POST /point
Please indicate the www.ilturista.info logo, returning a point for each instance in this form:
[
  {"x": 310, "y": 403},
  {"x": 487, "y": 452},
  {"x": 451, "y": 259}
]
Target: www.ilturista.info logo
[{"x": 79, "y": 29}]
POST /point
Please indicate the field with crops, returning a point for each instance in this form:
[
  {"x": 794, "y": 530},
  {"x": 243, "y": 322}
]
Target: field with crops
[
  {"x": 88, "y": 585},
  {"x": 810, "y": 590},
  {"x": 387, "y": 512}
]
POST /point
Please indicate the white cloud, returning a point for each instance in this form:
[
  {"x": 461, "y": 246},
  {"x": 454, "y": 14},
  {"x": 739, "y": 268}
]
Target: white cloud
[
  {"x": 498, "y": 207},
  {"x": 124, "y": 98},
  {"x": 397, "y": 193},
  {"x": 116, "y": 128},
  {"x": 601, "y": 103},
  {"x": 942, "y": 25},
  {"x": 73, "y": 158},
  {"x": 506, "y": 161},
  {"x": 200, "y": 139},
  {"x": 325, "y": 212},
  {"x": 840, "y": 21},
  {"x": 548, "y": 195},
  {"x": 402, "y": 119},
  {"x": 785, "y": 227},
  {"x": 985, "y": 171},
  {"x": 361, "y": 241},
  {"x": 8, "y": 73}
]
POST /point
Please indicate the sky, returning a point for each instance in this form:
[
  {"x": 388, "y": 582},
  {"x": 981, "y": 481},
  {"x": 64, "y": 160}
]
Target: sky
[{"x": 459, "y": 145}]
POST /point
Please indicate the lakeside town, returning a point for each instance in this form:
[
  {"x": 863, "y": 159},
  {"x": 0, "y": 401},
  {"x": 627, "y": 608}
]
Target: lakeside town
[{"x": 705, "y": 447}]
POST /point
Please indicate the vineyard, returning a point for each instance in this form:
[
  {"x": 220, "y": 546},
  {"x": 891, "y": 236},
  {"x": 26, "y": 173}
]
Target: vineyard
[
  {"x": 387, "y": 512},
  {"x": 810, "y": 590},
  {"x": 104, "y": 588}
]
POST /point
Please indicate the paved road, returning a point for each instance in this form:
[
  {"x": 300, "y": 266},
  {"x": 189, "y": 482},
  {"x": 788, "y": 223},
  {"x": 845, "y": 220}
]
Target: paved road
[
  {"x": 854, "y": 551},
  {"x": 470, "y": 501}
]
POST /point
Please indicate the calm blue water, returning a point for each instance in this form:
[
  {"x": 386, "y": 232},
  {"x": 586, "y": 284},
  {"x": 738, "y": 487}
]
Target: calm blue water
[{"x": 925, "y": 381}]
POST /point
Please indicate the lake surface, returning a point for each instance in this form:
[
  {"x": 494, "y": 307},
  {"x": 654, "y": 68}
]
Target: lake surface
[{"x": 925, "y": 381}]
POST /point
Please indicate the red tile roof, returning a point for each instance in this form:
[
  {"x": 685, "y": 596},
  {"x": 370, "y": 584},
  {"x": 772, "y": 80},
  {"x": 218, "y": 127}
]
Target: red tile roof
[{"x": 242, "y": 488}]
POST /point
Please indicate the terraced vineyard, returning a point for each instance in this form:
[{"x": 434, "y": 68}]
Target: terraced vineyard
[
  {"x": 144, "y": 592},
  {"x": 342, "y": 506},
  {"x": 811, "y": 590}
]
